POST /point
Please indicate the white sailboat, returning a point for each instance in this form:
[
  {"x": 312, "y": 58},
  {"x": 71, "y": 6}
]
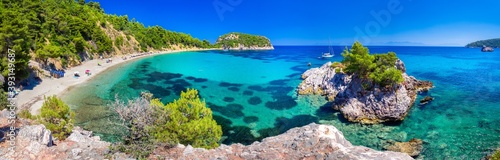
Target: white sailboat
[{"x": 330, "y": 52}]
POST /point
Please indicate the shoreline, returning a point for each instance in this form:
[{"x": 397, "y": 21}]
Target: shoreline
[{"x": 32, "y": 99}]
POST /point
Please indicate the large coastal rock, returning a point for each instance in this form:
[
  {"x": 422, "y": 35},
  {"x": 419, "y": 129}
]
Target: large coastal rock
[
  {"x": 242, "y": 41},
  {"x": 359, "y": 105},
  {"x": 309, "y": 142}
]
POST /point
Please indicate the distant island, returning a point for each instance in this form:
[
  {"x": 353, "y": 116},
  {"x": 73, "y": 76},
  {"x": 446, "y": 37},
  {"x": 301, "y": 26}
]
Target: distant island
[
  {"x": 494, "y": 43},
  {"x": 243, "y": 41}
]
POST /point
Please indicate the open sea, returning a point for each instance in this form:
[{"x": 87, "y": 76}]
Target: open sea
[{"x": 252, "y": 95}]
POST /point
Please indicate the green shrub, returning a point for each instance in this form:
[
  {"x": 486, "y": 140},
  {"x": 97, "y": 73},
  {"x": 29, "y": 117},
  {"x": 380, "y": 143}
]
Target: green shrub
[
  {"x": 57, "y": 117},
  {"x": 358, "y": 60},
  {"x": 187, "y": 121},
  {"x": 25, "y": 113},
  {"x": 387, "y": 77},
  {"x": 150, "y": 123}
]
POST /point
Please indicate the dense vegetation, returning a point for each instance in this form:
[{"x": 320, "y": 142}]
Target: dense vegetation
[
  {"x": 489, "y": 43},
  {"x": 62, "y": 30},
  {"x": 57, "y": 117},
  {"x": 154, "y": 37},
  {"x": 377, "y": 69},
  {"x": 234, "y": 39},
  {"x": 151, "y": 123}
]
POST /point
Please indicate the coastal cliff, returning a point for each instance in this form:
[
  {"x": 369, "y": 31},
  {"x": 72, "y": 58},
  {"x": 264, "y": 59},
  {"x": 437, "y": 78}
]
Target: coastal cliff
[
  {"x": 242, "y": 41},
  {"x": 357, "y": 104}
]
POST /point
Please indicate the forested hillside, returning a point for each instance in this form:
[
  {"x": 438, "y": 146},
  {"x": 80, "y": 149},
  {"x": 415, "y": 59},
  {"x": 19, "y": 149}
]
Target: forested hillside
[
  {"x": 488, "y": 43},
  {"x": 67, "y": 31},
  {"x": 236, "y": 39}
]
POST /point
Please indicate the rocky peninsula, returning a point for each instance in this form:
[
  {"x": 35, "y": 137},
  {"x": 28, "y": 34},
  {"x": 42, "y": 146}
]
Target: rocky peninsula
[
  {"x": 242, "y": 41},
  {"x": 491, "y": 43},
  {"x": 357, "y": 104}
]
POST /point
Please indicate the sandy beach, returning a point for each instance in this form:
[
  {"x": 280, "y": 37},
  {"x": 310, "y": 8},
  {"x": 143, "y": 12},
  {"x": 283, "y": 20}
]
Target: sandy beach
[{"x": 32, "y": 99}]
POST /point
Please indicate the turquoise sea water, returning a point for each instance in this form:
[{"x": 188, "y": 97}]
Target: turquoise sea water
[{"x": 252, "y": 94}]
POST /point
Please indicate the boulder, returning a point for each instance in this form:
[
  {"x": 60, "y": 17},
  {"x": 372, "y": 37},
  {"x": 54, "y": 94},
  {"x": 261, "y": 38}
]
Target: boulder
[
  {"x": 309, "y": 142},
  {"x": 413, "y": 147},
  {"x": 426, "y": 100},
  {"x": 33, "y": 142},
  {"x": 85, "y": 139},
  {"x": 360, "y": 105},
  {"x": 38, "y": 134}
]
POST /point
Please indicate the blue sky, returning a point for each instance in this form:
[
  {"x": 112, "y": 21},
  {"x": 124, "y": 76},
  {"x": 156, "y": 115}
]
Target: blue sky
[{"x": 293, "y": 22}]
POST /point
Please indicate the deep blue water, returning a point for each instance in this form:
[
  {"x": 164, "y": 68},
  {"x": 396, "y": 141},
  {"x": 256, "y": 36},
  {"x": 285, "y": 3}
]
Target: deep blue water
[{"x": 252, "y": 94}]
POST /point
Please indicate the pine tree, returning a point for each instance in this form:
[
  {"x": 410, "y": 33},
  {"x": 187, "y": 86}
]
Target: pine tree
[
  {"x": 57, "y": 117},
  {"x": 187, "y": 121}
]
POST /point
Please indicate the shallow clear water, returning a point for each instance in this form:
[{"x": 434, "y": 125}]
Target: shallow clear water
[{"x": 253, "y": 96}]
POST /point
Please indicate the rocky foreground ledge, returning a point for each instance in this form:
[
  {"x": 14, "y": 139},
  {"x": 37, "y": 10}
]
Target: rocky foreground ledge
[
  {"x": 359, "y": 105},
  {"x": 309, "y": 142},
  {"x": 36, "y": 142}
]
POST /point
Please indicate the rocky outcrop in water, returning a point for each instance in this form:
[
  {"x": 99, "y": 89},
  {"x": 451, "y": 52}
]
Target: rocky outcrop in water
[
  {"x": 359, "y": 105},
  {"x": 487, "y": 49},
  {"x": 309, "y": 142}
]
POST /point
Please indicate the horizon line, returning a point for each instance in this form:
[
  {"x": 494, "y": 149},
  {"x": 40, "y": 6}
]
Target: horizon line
[{"x": 321, "y": 45}]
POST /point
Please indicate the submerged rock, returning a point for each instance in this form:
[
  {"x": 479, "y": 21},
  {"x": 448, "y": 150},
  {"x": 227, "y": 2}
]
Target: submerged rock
[
  {"x": 309, "y": 142},
  {"x": 413, "y": 147},
  {"x": 359, "y": 105},
  {"x": 426, "y": 100}
]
